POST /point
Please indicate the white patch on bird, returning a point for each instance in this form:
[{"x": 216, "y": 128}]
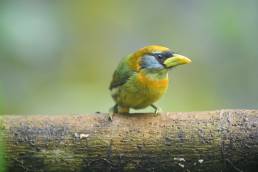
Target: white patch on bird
[{"x": 114, "y": 91}]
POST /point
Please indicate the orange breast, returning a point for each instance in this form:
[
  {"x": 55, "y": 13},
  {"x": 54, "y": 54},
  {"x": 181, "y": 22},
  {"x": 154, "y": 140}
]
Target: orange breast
[{"x": 153, "y": 84}]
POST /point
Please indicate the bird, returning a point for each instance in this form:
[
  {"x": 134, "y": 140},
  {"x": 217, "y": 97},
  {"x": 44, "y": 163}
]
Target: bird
[{"x": 141, "y": 78}]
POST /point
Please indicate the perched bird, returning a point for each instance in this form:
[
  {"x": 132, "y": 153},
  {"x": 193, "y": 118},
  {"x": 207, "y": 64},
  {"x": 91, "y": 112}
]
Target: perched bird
[{"x": 142, "y": 78}]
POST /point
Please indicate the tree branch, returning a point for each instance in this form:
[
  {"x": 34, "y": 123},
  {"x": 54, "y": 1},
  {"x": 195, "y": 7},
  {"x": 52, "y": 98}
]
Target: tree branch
[{"x": 225, "y": 140}]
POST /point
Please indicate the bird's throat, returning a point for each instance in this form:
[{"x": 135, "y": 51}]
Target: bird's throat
[
  {"x": 153, "y": 84},
  {"x": 155, "y": 74}
]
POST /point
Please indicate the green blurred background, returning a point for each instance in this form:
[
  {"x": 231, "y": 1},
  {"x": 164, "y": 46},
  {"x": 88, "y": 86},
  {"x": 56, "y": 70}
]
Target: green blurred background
[{"x": 58, "y": 56}]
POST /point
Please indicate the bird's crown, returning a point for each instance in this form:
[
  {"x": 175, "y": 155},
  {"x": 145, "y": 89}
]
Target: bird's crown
[
  {"x": 135, "y": 59},
  {"x": 156, "y": 57}
]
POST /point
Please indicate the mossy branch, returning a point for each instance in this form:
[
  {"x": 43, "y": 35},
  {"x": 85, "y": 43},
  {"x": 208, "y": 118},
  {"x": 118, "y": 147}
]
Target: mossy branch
[{"x": 225, "y": 140}]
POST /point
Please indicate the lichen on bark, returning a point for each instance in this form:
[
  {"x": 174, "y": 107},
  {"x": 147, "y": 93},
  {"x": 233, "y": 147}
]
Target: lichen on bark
[{"x": 194, "y": 141}]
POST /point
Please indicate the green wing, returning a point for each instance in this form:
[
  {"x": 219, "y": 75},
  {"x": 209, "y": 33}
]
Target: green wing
[{"x": 121, "y": 74}]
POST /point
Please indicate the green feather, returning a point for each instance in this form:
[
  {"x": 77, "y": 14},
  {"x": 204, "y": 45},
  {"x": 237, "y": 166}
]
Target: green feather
[{"x": 122, "y": 73}]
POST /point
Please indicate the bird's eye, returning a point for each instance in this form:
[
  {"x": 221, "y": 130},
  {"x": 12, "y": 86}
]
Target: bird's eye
[{"x": 160, "y": 56}]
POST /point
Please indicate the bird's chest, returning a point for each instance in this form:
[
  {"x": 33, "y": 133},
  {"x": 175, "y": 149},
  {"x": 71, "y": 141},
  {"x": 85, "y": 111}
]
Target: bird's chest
[
  {"x": 141, "y": 90},
  {"x": 151, "y": 86}
]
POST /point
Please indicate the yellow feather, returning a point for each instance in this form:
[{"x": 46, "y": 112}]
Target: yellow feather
[
  {"x": 151, "y": 83},
  {"x": 134, "y": 61}
]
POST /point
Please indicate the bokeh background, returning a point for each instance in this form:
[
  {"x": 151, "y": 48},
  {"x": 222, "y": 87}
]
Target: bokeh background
[{"x": 58, "y": 56}]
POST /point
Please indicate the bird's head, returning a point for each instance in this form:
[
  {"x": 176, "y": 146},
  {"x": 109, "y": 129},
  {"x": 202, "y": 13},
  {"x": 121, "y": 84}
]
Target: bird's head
[{"x": 157, "y": 57}]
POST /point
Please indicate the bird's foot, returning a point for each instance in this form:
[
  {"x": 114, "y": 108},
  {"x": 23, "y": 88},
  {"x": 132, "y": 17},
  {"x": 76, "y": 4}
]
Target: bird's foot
[
  {"x": 110, "y": 116},
  {"x": 117, "y": 109},
  {"x": 157, "y": 110},
  {"x": 111, "y": 112}
]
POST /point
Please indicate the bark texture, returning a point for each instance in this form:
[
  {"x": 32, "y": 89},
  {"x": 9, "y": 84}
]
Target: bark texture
[{"x": 225, "y": 140}]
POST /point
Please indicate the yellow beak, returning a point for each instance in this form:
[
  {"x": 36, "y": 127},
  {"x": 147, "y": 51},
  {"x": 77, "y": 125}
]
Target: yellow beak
[{"x": 176, "y": 60}]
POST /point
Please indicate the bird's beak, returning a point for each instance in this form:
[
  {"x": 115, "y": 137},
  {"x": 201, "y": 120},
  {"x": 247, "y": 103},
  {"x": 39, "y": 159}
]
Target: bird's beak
[{"x": 176, "y": 60}]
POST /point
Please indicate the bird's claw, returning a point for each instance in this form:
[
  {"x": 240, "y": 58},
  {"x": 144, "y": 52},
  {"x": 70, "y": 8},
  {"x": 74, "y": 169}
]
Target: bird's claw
[
  {"x": 110, "y": 116},
  {"x": 157, "y": 110},
  {"x": 111, "y": 112}
]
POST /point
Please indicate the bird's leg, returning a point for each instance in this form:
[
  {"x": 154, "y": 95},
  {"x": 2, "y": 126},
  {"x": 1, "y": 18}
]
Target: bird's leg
[
  {"x": 156, "y": 108},
  {"x": 117, "y": 109},
  {"x": 111, "y": 112}
]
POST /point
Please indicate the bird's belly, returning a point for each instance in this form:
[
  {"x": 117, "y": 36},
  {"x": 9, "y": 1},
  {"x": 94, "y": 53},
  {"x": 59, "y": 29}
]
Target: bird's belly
[{"x": 141, "y": 92}]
